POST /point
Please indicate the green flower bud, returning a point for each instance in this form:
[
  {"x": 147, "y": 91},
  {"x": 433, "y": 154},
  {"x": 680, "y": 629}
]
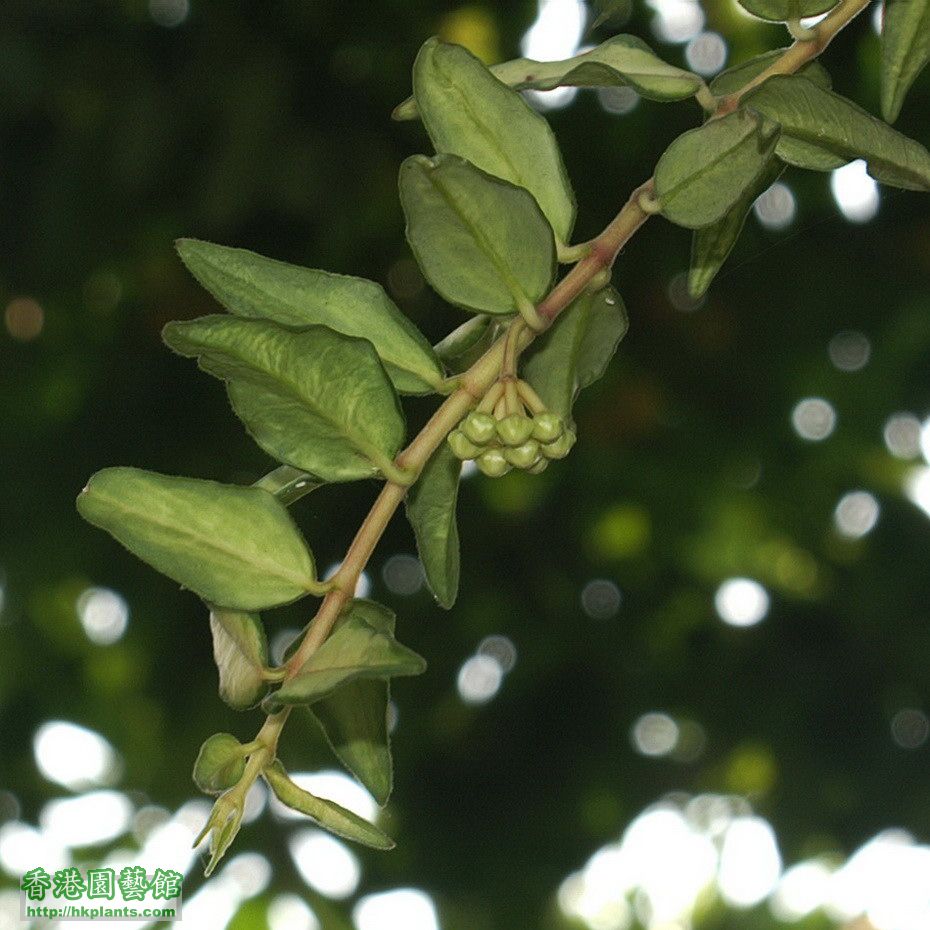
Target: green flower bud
[
  {"x": 523, "y": 456},
  {"x": 540, "y": 465},
  {"x": 493, "y": 463},
  {"x": 561, "y": 447},
  {"x": 478, "y": 427},
  {"x": 514, "y": 430},
  {"x": 462, "y": 446},
  {"x": 220, "y": 763},
  {"x": 547, "y": 427}
]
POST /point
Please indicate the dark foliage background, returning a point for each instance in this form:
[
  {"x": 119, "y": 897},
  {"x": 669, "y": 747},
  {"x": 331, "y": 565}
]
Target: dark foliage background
[{"x": 266, "y": 125}]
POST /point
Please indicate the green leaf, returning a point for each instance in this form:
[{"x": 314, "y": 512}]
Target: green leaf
[
  {"x": 737, "y": 77},
  {"x": 704, "y": 172},
  {"x": 607, "y": 10},
  {"x": 466, "y": 344},
  {"x": 576, "y": 350},
  {"x": 623, "y": 61},
  {"x": 288, "y": 484},
  {"x": 712, "y": 244},
  {"x": 780, "y": 11},
  {"x": 327, "y": 814},
  {"x": 253, "y": 286},
  {"x": 481, "y": 242},
  {"x": 837, "y": 127},
  {"x": 470, "y": 113},
  {"x": 905, "y": 50},
  {"x": 220, "y": 763},
  {"x": 312, "y": 398},
  {"x": 354, "y": 716},
  {"x": 235, "y": 547},
  {"x": 431, "y": 506},
  {"x": 240, "y": 650},
  {"x": 357, "y": 649}
]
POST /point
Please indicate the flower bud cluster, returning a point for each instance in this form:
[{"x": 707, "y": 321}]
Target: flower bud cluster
[{"x": 514, "y": 440}]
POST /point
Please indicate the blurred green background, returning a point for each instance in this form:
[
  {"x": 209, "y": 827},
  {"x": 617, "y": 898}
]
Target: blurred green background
[{"x": 718, "y": 604}]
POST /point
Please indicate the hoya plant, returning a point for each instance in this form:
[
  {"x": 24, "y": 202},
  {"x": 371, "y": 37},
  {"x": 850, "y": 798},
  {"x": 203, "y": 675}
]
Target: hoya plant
[{"x": 316, "y": 364}]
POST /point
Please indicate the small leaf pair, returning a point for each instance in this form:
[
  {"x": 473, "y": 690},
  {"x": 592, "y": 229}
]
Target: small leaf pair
[{"x": 345, "y": 686}]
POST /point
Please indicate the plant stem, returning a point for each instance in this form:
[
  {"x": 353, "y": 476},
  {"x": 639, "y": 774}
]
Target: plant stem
[
  {"x": 599, "y": 256},
  {"x": 801, "y": 52}
]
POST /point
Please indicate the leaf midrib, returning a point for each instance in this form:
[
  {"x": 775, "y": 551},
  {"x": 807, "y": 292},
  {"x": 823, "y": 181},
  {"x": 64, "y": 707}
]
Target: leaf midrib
[
  {"x": 369, "y": 451},
  {"x": 713, "y": 165},
  {"x": 484, "y": 244}
]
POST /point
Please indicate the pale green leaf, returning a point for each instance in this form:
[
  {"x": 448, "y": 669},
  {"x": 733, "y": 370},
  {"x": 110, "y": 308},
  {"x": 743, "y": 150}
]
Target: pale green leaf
[
  {"x": 354, "y": 717},
  {"x": 357, "y": 649},
  {"x": 253, "y": 286},
  {"x": 312, "y": 398},
  {"x": 737, "y": 77},
  {"x": 469, "y": 112},
  {"x": 431, "y": 504},
  {"x": 481, "y": 242},
  {"x": 837, "y": 127},
  {"x": 779, "y": 11},
  {"x": 623, "y": 61},
  {"x": 235, "y": 547},
  {"x": 576, "y": 350},
  {"x": 467, "y": 343},
  {"x": 802, "y": 154},
  {"x": 704, "y": 172},
  {"x": 220, "y": 763},
  {"x": 607, "y": 10},
  {"x": 712, "y": 244},
  {"x": 240, "y": 650},
  {"x": 905, "y": 50},
  {"x": 327, "y": 814},
  {"x": 288, "y": 484}
]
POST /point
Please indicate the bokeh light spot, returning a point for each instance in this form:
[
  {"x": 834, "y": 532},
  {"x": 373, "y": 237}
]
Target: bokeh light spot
[
  {"x": 325, "y": 864},
  {"x": 501, "y": 649},
  {"x": 104, "y": 615},
  {"x": 290, "y": 912},
  {"x": 169, "y": 13},
  {"x": 850, "y": 351},
  {"x": 676, "y": 21},
  {"x": 474, "y": 27},
  {"x": 600, "y": 599},
  {"x": 910, "y": 728},
  {"x": 706, "y": 53},
  {"x": 903, "y": 436},
  {"x": 24, "y": 318},
  {"x": 87, "y": 820},
  {"x": 855, "y": 192},
  {"x": 801, "y": 891},
  {"x": 74, "y": 756},
  {"x": 741, "y": 602},
  {"x": 403, "y": 574},
  {"x": 555, "y": 35},
  {"x": 618, "y": 100},
  {"x": 856, "y": 514},
  {"x": 654, "y": 734},
  {"x": 406, "y": 908},
  {"x": 479, "y": 679},
  {"x": 750, "y": 863},
  {"x": 776, "y": 207},
  {"x": 813, "y": 419}
]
